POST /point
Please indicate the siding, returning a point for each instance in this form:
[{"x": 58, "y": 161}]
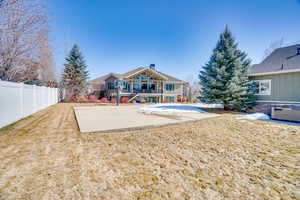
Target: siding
[
  {"x": 177, "y": 89},
  {"x": 284, "y": 87}
]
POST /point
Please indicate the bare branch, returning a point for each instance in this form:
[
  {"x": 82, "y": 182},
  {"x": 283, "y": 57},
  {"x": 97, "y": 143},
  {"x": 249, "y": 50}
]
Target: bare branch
[{"x": 25, "y": 50}]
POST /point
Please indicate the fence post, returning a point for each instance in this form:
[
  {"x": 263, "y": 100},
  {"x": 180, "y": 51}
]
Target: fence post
[
  {"x": 44, "y": 97},
  {"x": 21, "y": 100},
  {"x": 48, "y": 96},
  {"x": 34, "y": 98},
  {"x": 57, "y": 92}
]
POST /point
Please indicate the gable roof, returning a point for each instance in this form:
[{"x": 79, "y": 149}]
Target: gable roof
[
  {"x": 132, "y": 72},
  {"x": 171, "y": 78},
  {"x": 281, "y": 60},
  {"x": 102, "y": 79}
]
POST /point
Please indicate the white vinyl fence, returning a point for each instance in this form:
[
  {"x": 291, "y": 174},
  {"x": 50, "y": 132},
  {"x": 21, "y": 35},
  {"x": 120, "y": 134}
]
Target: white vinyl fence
[{"x": 18, "y": 100}]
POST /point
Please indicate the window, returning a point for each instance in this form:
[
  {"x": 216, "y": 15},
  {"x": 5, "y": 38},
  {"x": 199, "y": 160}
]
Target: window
[
  {"x": 144, "y": 86},
  {"x": 143, "y": 77},
  {"x": 152, "y": 86},
  {"x": 262, "y": 87},
  {"x": 170, "y": 87},
  {"x": 111, "y": 85},
  {"x": 126, "y": 86}
]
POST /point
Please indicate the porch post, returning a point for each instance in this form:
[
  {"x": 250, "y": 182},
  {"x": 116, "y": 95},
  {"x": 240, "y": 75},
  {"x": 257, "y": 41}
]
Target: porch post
[
  {"x": 162, "y": 92},
  {"x": 131, "y": 86}
]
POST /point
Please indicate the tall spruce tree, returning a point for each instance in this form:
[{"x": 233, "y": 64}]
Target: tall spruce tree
[
  {"x": 224, "y": 78},
  {"x": 75, "y": 75}
]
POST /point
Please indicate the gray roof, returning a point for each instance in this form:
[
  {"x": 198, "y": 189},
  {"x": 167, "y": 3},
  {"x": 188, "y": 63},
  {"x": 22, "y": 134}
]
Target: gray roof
[{"x": 280, "y": 59}]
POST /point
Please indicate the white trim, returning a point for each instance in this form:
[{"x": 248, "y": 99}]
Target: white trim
[
  {"x": 170, "y": 95},
  {"x": 111, "y": 75},
  {"x": 278, "y": 72},
  {"x": 147, "y": 69},
  {"x": 136, "y": 72},
  {"x": 259, "y": 88},
  {"x": 290, "y": 102}
]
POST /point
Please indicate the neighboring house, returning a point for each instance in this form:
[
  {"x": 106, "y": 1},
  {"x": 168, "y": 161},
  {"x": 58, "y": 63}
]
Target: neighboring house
[
  {"x": 278, "y": 78},
  {"x": 144, "y": 84}
]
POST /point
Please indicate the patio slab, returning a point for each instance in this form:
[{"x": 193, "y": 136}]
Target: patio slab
[{"x": 110, "y": 118}]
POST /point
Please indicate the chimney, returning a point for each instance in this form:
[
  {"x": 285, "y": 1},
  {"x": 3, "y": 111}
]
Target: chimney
[
  {"x": 298, "y": 51},
  {"x": 152, "y": 66}
]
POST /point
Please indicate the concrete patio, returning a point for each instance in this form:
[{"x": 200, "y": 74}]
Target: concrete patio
[{"x": 111, "y": 118}]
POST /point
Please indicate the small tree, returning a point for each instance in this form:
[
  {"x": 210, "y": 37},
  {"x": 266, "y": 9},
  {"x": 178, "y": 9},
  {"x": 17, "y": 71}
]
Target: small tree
[
  {"x": 224, "y": 79},
  {"x": 75, "y": 75}
]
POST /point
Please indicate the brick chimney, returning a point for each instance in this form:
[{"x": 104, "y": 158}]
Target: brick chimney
[{"x": 152, "y": 66}]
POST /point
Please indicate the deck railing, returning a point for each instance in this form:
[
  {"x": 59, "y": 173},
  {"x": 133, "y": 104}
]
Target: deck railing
[{"x": 141, "y": 91}]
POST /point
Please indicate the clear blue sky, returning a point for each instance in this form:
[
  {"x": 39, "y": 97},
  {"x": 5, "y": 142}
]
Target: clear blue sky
[{"x": 177, "y": 35}]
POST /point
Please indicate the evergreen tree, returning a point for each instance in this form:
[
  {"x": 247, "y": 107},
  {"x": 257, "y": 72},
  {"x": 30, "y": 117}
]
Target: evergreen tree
[
  {"x": 224, "y": 78},
  {"x": 75, "y": 75}
]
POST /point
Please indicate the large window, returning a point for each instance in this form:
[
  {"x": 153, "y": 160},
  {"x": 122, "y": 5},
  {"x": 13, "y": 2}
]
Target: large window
[
  {"x": 170, "y": 86},
  {"x": 137, "y": 85},
  {"x": 262, "y": 87}
]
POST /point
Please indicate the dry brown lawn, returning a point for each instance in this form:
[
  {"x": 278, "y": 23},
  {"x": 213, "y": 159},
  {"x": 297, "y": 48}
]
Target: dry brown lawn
[{"x": 46, "y": 157}]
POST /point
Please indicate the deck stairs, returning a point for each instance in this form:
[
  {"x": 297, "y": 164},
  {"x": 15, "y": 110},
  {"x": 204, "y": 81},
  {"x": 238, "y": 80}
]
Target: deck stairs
[{"x": 132, "y": 98}]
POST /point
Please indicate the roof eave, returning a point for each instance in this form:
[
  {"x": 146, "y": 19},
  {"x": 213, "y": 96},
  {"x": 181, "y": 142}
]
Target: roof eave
[
  {"x": 277, "y": 72},
  {"x": 112, "y": 75},
  {"x": 144, "y": 70}
]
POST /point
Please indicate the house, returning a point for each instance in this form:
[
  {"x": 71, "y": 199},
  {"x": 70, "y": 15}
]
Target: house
[
  {"x": 144, "y": 84},
  {"x": 278, "y": 78}
]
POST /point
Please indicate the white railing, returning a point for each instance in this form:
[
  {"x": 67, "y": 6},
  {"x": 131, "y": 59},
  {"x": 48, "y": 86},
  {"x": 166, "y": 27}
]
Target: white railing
[{"x": 18, "y": 100}]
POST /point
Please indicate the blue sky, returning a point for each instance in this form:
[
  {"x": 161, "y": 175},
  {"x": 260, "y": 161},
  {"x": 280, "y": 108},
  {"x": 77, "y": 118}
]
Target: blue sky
[{"x": 177, "y": 35}]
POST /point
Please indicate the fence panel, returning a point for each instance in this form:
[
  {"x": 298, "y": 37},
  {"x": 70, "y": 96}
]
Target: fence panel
[
  {"x": 28, "y": 104},
  {"x": 18, "y": 100}
]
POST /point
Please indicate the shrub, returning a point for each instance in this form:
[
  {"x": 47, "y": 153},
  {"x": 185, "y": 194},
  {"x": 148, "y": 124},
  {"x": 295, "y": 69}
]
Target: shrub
[
  {"x": 113, "y": 100},
  {"x": 83, "y": 99},
  {"x": 184, "y": 99},
  {"x": 74, "y": 99},
  {"x": 104, "y": 100},
  {"x": 124, "y": 100},
  {"x": 165, "y": 100},
  {"x": 93, "y": 99},
  {"x": 101, "y": 94},
  {"x": 179, "y": 99}
]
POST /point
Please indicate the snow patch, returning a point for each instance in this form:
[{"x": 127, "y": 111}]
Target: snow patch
[
  {"x": 264, "y": 117},
  {"x": 204, "y": 105},
  {"x": 255, "y": 116},
  {"x": 173, "y": 109}
]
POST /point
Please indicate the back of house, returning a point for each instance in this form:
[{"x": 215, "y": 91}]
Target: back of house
[
  {"x": 278, "y": 78},
  {"x": 142, "y": 84}
]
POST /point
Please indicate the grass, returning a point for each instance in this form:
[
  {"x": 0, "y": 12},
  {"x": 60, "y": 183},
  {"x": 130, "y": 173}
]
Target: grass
[{"x": 46, "y": 157}]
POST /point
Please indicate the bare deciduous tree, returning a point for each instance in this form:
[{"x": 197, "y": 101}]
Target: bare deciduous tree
[
  {"x": 278, "y": 44},
  {"x": 194, "y": 88},
  {"x": 272, "y": 47},
  {"x": 45, "y": 56},
  {"x": 25, "y": 50}
]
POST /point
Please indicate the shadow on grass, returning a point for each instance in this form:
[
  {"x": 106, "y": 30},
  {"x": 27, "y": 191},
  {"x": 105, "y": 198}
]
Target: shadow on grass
[
  {"x": 222, "y": 111},
  {"x": 11, "y": 126}
]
